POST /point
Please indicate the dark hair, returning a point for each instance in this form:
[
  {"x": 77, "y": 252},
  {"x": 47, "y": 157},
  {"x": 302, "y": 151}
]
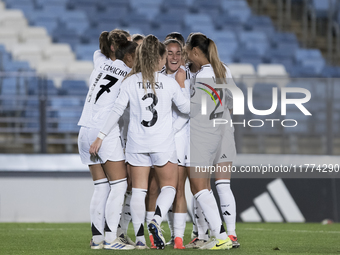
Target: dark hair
[
  {"x": 123, "y": 46},
  {"x": 167, "y": 42},
  {"x": 176, "y": 36},
  {"x": 106, "y": 39},
  {"x": 126, "y": 33},
  {"x": 137, "y": 37},
  {"x": 161, "y": 49},
  {"x": 209, "y": 49}
]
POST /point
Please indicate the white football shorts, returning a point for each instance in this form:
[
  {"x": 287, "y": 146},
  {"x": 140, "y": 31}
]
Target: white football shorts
[
  {"x": 151, "y": 159},
  {"x": 111, "y": 148},
  {"x": 227, "y": 150},
  {"x": 182, "y": 148}
]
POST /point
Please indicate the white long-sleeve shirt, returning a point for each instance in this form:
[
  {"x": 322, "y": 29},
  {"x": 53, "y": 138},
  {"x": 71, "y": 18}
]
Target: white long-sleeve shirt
[
  {"x": 105, "y": 82},
  {"x": 150, "y": 127}
]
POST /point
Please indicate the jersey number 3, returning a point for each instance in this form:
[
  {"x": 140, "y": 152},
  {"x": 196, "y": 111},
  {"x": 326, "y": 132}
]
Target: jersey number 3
[
  {"x": 151, "y": 109},
  {"x": 106, "y": 87}
]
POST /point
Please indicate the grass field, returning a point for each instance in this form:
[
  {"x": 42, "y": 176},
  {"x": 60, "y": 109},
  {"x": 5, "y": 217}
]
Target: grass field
[{"x": 256, "y": 238}]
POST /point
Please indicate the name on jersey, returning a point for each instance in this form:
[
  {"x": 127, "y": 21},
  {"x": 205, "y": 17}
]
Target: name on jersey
[
  {"x": 114, "y": 70},
  {"x": 158, "y": 85}
]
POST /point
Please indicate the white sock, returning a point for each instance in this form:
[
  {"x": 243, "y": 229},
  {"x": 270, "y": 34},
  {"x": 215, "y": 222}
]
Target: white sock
[
  {"x": 148, "y": 218},
  {"x": 137, "y": 207},
  {"x": 126, "y": 214},
  {"x": 97, "y": 209},
  {"x": 164, "y": 201},
  {"x": 194, "y": 220},
  {"x": 210, "y": 211},
  {"x": 179, "y": 224},
  {"x": 202, "y": 224},
  {"x": 113, "y": 208},
  {"x": 228, "y": 205},
  {"x": 171, "y": 221}
]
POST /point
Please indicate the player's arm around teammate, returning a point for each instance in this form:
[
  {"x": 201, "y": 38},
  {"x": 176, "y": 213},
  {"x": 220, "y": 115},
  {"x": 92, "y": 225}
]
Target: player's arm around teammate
[
  {"x": 150, "y": 136},
  {"x": 108, "y": 167}
]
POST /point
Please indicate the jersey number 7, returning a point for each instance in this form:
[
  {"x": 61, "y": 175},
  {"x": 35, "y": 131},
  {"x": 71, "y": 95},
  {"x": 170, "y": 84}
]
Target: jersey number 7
[{"x": 106, "y": 88}]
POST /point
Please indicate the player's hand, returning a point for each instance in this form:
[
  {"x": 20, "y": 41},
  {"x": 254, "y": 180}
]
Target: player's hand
[
  {"x": 180, "y": 77},
  {"x": 95, "y": 146}
]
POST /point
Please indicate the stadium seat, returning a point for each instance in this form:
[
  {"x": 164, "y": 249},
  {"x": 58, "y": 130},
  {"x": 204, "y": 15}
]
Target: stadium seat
[
  {"x": 8, "y": 36},
  {"x": 237, "y": 8},
  {"x": 58, "y": 52},
  {"x": 239, "y": 70},
  {"x": 14, "y": 19},
  {"x": 53, "y": 70},
  {"x": 320, "y": 8},
  {"x": 85, "y": 51},
  {"x": 80, "y": 70},
  {"x": 35, "y": 35},
  {"x": 76, "y": 20},
  {"x": 197, "y": 20},
  {"x": 74, "y": 87},
  {"x": 271, "y": 70},
  {"x": 16, "y": 66},
  {"x": 42, "y": 3},
  {"x": 28, "y": 52}
]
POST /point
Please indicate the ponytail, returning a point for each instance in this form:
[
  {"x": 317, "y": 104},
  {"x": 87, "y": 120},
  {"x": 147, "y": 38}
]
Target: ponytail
[
  {"x": 104, "y": 44},
  {"x": 217, "y": 65},
  {"x": 106, "y": 39},
  {"x": 209, "y": 49},
  {"x": 123, "y": 46}
]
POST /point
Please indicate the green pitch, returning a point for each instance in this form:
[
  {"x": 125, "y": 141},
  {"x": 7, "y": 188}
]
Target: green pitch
[{"x": 258, "y": 238}]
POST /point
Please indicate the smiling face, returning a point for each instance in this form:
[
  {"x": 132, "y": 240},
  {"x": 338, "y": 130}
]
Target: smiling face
[{"x": 174, "y": 57}]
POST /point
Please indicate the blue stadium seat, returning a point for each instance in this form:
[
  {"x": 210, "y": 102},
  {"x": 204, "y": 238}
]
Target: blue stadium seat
[
  {"x": 321, "y": 7},
  {"x": 197, "y": 20},
  {"x": 43, "y": 3},
  {"x": 74, "y": 87},
  {"x": 237, "y": 8},
  {"x": 168, "y": 18},
  {"x": 19, "y": 4},
  {"x": 9, "y": 86},
  {"x": 44, "y": 19},
  {"x": 136, "y": 20},
  {"x": 108, "y": 18},
  {"x": 16, "y": 66},
  {"x": 260, "y": 24},
  {"x": 63, "y": 34},
  {"x": 76, "y": 20},
  {"x": 331, "y": 71},
  {"x": 85, "y": 51},
  {"x": 284, "y": 38},
  {"x": 58, "y": 102}
]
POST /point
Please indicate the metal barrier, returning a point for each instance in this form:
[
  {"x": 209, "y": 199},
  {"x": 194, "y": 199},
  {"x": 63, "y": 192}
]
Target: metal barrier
[{"x": 40, "y": 118}]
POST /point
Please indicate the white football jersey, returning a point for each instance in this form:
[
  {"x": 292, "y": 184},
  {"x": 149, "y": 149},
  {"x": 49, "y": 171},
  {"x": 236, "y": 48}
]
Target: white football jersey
[
  {"x": 218, "y": 100},
  {"x": 150, "y": 127},
  {"x": 179, "y": 120},
  {"x": 105, "y": 82}
]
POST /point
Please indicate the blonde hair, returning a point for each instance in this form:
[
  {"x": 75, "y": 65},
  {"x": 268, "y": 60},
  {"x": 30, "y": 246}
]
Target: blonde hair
[
  {"x": 209, "y": 49},
  {"x": 147, "y": 59}
]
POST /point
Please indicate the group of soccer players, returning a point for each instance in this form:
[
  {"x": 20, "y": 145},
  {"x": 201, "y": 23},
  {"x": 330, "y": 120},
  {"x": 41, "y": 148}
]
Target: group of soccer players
[{"x": 141, "y": 134}]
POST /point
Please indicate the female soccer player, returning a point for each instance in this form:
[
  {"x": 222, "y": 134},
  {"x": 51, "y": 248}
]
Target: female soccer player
[
  {"x": 150, "y": 135},
  {"x": 205, "y": 139},
  {"x": 108, "y": 167},
  {"x": 180, "y": 124}
]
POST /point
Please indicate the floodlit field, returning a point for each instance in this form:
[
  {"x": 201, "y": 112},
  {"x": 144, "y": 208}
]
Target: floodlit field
[{"x": 261, "y": 238}]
